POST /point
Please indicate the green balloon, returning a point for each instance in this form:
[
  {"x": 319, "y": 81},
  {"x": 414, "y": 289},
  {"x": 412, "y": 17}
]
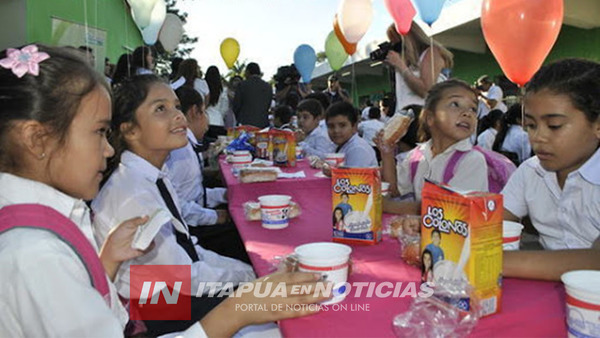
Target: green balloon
[{"x": 336, "y": 55}]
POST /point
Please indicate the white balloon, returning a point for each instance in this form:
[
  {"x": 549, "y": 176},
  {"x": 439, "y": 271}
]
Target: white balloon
[
  {"x": 149, "y": 16},
  {"x": 354, "y": 17},
  {"x": 171, "y": 32}
]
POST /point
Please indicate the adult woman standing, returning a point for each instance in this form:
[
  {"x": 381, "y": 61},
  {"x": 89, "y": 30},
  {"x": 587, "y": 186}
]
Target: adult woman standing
[
  {"x": 415, "y": 74},
  {"x": 188, "y": 75},
  {"x": 218, "y": 103},
  {"x": 142, "y": 61}
]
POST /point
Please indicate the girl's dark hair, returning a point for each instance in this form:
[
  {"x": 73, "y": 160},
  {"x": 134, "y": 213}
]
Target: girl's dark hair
[
  {"x": 490, "y": 120},
  {"x": 334, "y": 210},
  {"x": 374, "y": 113},
  {"x": 51, "y": 98},
  {"x": 576, "y": 78},
  {"x": 188, "y": 68},
  {"x": 123, "y": 69},
  {"x": 215, "y": 86},
  {"x": 434, "y": 95},
  {"x": 321, "y": 97},
  {"x": 423, "y": 261},
  {"x": 188, "y": 97},
  {"x": 411, "y": 137},
  {"x": 127, "y": 98},
  {"x": 283, "y": 113},
  {"x": 138, "y": 58},
  {"x": 389, "y": 102},
  {"x": 344, "y": 109},
  {"x": 512, "y": 116},
  {"x": 313, "y": 106}
]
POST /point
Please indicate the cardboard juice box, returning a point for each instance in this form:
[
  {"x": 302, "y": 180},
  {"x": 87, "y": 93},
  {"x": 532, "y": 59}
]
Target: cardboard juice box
[
  {"x": 283, "y": 148},
  {"x": 356, "y": 216},
  {"x": 463, "y": 230}
]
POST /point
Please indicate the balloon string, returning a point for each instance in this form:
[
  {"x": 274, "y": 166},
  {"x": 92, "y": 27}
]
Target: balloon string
[
  {"x": 354, "y": 89},
  {"x": 85, "y": 22},
  {"x": 432, "y": 60},
  {"x": 125, "y": 16}
]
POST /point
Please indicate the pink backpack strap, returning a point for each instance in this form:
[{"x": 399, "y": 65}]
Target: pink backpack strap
[
  {"x": 38, "y": 216},
  {"x": 416, "y": 155},
  {"x": 451, "y": 165}
]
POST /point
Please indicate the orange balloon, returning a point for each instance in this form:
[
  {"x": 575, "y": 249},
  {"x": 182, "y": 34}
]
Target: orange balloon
[
  {"x": 521, "y": 33},
  {"x": 349, "y": 47}
]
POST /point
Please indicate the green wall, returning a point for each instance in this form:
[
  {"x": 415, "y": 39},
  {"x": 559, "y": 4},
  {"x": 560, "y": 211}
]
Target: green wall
[
  {"x": 109, "y": 15},
  {"x": 571, "y": 42}
]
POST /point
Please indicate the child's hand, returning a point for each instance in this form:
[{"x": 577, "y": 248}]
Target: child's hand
[
  {"x": 117, "y": 247},
  {"x": 383, "y": 148},
  {"x": 223, "y": 216},
  {"x": 299, "y": 135},
  {"x": 326, "y": 169}
]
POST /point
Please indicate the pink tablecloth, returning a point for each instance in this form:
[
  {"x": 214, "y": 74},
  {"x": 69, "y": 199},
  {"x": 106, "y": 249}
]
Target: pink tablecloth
[{"x": 530, "y": 308}]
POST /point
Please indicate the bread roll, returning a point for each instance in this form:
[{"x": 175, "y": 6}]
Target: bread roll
[
  {"x": 395, "y": 128},
  {"x": 255, "y": 174}
]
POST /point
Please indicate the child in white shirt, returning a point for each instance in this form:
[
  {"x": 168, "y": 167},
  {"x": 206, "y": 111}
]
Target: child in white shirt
[
  {"x": 447, "y": 120},
  {"x": 559, "y": 188},
  {"x": 313, "y": 139}
]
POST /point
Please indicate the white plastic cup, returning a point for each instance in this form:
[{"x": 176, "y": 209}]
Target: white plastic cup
[
  {"x": 511, "y": 235},
  {"x": 241, "y": 159},
  {"x": 583, "y": 302},
  {"x": 274, "y": 210},
  {"x": 331, "y": 260},
  {"x": 335, "y": 159},
  {"x": 385, "y": 188}
]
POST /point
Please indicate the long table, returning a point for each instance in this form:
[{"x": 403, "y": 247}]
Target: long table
[{"x": 529, "y": 308}]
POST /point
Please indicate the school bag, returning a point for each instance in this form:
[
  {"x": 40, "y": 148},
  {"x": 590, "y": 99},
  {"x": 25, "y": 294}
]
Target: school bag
[
  {"x": 37, "y": 216},
  {"x": 500, "y": 168}
]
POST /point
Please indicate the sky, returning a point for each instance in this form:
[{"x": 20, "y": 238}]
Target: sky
[{"x": 268, "y": 31}]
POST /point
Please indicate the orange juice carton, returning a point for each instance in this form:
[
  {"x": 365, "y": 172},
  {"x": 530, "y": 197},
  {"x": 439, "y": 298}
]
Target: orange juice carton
[
  {"x": 461, "y": 240},
  {"x": 283, "y": 148},
  {"x": 236, "y": 131},
  {"x": 264, "y": 145},
  {"x": 356, "y": 197}
]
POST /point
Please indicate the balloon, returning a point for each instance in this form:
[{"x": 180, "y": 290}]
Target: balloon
[
  {"x": 429, "y": 10},
  {"x": 149, "y": 16},
  {"x": 171, "y": 32},
  {"x": 521, "y": 33},
  {"x": 304, "y": 60},
  {"x": 336, "y": 56},
  {"x": 355, "y": 17},
  {"x": 403, "y": 13},
  {"x": 350, "y": 48},
  {"x": 230, "y": 50}
]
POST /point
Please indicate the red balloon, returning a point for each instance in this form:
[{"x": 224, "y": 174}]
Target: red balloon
[
  {"x": 403, "y": 13},
  {"x": 349, "y": 47},
  {"x": 521, "y": 33}
]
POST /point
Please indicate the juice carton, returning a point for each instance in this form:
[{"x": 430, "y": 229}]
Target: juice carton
[
  {"x": 356, "y": 194},
  {"x": 463, "y": 231},
  {"x": 264, "y": 145},
  {"x": 283, "y": 148}
]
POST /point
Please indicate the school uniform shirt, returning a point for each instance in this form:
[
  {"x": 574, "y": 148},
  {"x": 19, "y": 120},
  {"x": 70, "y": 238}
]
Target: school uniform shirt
[
  {"x": 486, "y": 139},
  {"x": 317, "y": 143},
  {"x": 369, "y": 128},
  {"x": 131, "y": 191},
  {"x": 517, "y": 141},
  {"x": 567, "y": 218},
  {"x": 46, "y": 289},
  {"x": 358, "y": 153},
  {"x": 470, "y": 172},
  {"x": 186, "y": 176}
]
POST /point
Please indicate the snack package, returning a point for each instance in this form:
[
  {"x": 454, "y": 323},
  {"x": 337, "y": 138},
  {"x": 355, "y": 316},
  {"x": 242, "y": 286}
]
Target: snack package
[
  {"x": 356, "y": 213},
  {"x": 461, "y": 241},
  {"x": 252, "y": 210},
  {"x": 236, "y": 131},
  {"x": 264, "y": 145},
  {"x": 284, "y": 148},
  {"x": 396, "y": 128},
  {"x": 406, "y": 228}
]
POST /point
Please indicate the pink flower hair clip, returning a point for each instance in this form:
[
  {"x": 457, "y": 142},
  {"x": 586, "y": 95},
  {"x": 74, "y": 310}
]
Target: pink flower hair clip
[{"x": 24, "y": 60}]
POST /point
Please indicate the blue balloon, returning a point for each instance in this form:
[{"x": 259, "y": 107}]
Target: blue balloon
[
  {"x": 304, "y": 60},
  {"x": 429, "y": 10}
]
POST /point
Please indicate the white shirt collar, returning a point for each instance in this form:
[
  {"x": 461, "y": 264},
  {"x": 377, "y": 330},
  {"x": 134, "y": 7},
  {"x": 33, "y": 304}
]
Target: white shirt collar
[
  {"x": 463, "y": 145},
  {"x": 191, "y": 136},
  {"x": 590, "y": 170},
  {"x": 142, "y": 167}
]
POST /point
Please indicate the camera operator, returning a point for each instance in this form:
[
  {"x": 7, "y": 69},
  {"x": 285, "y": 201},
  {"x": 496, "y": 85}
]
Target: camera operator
[
  {"x": 335, "y": 92},
  {"x": 414, "y": 75},
  {"x": 288, "y": 88}
]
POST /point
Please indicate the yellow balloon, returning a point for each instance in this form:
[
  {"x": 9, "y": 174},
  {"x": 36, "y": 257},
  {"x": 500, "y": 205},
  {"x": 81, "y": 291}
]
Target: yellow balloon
[{"x": 230, "y": 50}]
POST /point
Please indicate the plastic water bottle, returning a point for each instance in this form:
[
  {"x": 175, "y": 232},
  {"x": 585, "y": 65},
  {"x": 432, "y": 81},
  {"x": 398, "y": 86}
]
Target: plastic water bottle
[
  {"x": 294, "y": 122},
  {"x": 271, "y": 121}
]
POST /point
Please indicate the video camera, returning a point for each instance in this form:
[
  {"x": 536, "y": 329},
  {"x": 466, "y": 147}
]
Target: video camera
[{"x": 384, "y": 48}]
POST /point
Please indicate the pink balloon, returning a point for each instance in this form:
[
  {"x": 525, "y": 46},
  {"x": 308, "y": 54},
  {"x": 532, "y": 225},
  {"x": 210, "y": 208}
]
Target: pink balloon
[{"x": 403, "y": 13}]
